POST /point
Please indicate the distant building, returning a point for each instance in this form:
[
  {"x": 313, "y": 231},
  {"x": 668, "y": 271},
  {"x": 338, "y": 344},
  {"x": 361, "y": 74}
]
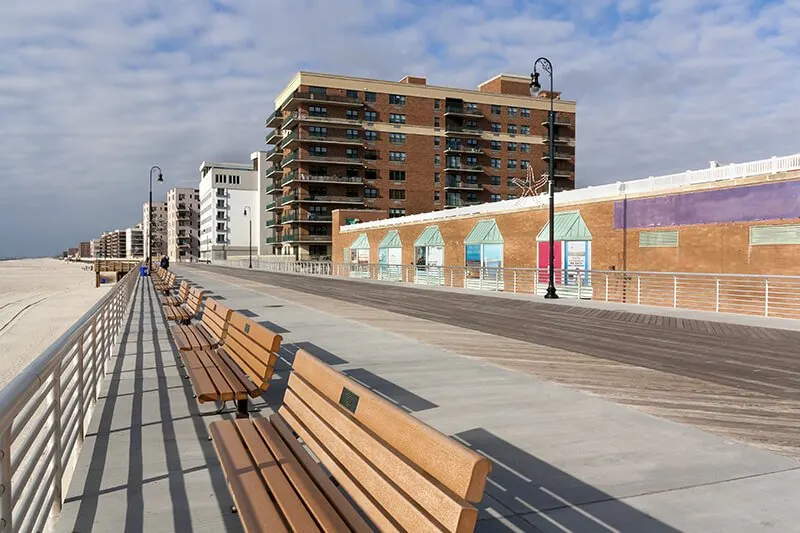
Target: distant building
[
  {"x": 73, "y": 252},
  {"x": 113, "y": 244},
  {"x": 226, "y": 189},
  {"x": 85, "y": 249},
  {"x": 95, "y": 247},
  {"x": 183, "y": 224},
  {"x": 134, "y": 242},
  {"x": 159, "y": 230}
]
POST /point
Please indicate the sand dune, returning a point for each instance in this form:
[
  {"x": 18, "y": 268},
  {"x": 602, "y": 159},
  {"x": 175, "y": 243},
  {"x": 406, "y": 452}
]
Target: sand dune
[{"x": 39, "y": 300}]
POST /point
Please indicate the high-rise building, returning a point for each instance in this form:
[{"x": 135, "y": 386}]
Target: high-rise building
[
  {"x": 226, "y": 190},
  {"x": 183, "y": 224},
  {"x": 159, "y": 229},
  {"x": 113, "y": 244},
  {"x": 85, "y": 249},
  {"x": 403, "y": 148},
  {"x": 95, "y": 249},
  {"x": 134, "y": 242}
]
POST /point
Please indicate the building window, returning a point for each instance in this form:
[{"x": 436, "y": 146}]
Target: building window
[
  {"x": 317, "y": 90},
  {"x": 318, "y": 150},
  {"x": 370, "y": 192},
  {"x": 318, "y": 131},
  {"x": 496, "y": 162},
  {"x": 220, "y": 239},
  {"x": 471, "y": 107},
  {"x": 525, "y": 112},
  {"x": 317, "y": 111},
  {"x": 472, "y": 143},
  {"x": 525, "y": 130},
  {"x": 437, "y": 104},
  {"x": 512, "y": 147},
  {"x": 437, "y": 159},
  {"x": 495, "y": 180},
  {"x": 220, "y": 214},
  {"x": 525, "y": 148},
  {"x": 352, "y": 94},
  {"x": 397, "y": 138},
  {"x": 220, "y": 226},
  {"x": 371, "y": 116},
  {"x": 351, "y": 153},
  {"x": 512, "y": 128},
  {"x": 471, "y": 124},
  {"x": 472, "y": 197},
  {"x": 495, "y": 109},
  {"x": 352, "y": 134},
  {"x": 658, "y": 239},
  {"x": 397, "y": 118},
  {"x": 775, "y": 235},
  {"x": 511, "y": 183},
  {"x": 396, "y": 212},
  {"x": 371, "y": 155},
  {"x": 437, "y": 141},
  {"x": 370, "y": 96},
  {"x": 397, "y": 194},
  {"x": 524, "y": 164},
  {"x": 351, "y": 114},
  {"x": 397, "y": 157},
  {"x": 512, "y": 164},
  {"x": 370, "y": 135},
  {"x": 397, "y": 175},
  {"x": 397, "y": 99},
  {"x": 437, "y": 177},
  {"x": 496, "y": 127},
  {"x": 436, "y": 122},
  {"x": 512, "y": 111},
  {"x": 220, "y": 203},
  {"x": 370, "y": 174},
  {"x": 494, "y": 198},
  {"x": 496, "y": 145}
]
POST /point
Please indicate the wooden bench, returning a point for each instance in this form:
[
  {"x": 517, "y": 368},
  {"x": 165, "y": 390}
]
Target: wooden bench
[
  {"x": 164, "y": 284},
  {"x": 184, "y": 313},
  {"x": 239, "y": 369},
  {"x": 208, "y": 334},
  {"x": 181, "y": 298},
  {"x": 401, "y": 473}
]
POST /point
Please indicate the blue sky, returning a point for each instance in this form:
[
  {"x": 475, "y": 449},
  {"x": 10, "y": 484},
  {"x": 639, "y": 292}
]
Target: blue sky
[{"x": 92, "y": 93}]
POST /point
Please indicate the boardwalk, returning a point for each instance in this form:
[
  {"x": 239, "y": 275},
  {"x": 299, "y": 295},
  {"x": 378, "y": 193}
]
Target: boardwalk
[{"x": 564, "y": 460}]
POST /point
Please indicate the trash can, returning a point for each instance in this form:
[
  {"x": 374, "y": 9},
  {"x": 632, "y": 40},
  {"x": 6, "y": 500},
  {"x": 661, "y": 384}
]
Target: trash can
[{"x": 143, "y": 272}]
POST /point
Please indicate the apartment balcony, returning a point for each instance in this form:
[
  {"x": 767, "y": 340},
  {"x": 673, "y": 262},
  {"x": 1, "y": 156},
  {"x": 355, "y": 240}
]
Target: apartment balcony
[
  {"x": 306, "y": 237},
  {"x": 274, "y": 138},
  {"x": 297, "y": 137},
  {"x": 563, "y": 173},
  {"x": 558, "y": 156},
  {"x": 308, "y": 178},
  {"x": 273, "y": 240},
  {"x": 461, "y": 130},
  {"x": 222, "y": 193},
  {"x": 561, "y": 120},
  {"x": 274, "y": 173},
  {"x": 275, "y": 155},
  {"x": 462, "y": 149},
  {"x": 274, "y": 206},
  {"x": 296, "y": 217},
  {"x": 274, "y": 120},
  {"x": 464, "y": 168},
  {"x": 462, "y": 185},
  {"x": 319, "y": 119},
  {"x": 298, "y": 97},
  {"x": 297, "y": 157},
  {"x": 322, "y": 199},
  {"x": 459, "y": 111},
  {"x": 272, "y": 222},
  {"x": 557, "y": 140},
  {"x": 274, "y": 187}
]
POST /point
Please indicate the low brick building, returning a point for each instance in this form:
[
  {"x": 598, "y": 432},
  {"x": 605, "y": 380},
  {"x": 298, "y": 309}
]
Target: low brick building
[{"x": 739, "y": 219}]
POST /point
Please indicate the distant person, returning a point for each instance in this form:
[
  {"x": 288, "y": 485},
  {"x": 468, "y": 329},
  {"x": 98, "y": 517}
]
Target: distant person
[{"x": 165, "y": 262}]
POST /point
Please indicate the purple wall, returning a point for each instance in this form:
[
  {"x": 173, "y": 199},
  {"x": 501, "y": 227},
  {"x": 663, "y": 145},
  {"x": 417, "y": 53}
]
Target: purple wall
[{"x": 740, "y": 204}]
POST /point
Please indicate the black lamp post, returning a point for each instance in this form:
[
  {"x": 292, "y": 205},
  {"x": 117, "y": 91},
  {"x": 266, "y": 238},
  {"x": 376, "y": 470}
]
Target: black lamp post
[
  {"x": 150, "y": 217},
  {"x": 535, "y": 88},
  {"x": 249, "y": 211}
]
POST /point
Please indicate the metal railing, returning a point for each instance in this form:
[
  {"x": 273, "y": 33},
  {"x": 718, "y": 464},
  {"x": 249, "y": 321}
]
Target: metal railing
[
  {"x": 45, "y": 410},
  {"x": 764, "y": 295}
]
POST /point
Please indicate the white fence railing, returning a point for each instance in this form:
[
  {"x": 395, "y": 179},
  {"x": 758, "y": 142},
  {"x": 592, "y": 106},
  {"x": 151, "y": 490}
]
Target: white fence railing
[
  {"x": 45, "y": 409},
  {"x": 771, "y": 296}
]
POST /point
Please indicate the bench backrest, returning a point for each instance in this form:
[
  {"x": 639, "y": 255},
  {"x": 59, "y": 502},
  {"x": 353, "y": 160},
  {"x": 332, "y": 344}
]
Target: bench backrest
[
  {"x": 253, "y": 347},
  {"x": 195, "y": 300},
  {"x": 216, "y": 317},
  {"x": 399, "y": 470},
  {"x": 183, "y": 291}
]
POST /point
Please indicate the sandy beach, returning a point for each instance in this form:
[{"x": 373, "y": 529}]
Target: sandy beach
[{"x": 39, "y": 300}]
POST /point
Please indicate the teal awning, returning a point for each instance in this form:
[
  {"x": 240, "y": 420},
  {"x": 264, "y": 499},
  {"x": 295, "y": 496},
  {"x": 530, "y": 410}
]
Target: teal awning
[
  {"x": 484, "y": 232},
  {"x": 569, "y": 226},
  {"x": 392, "y": 240},
  {"x": 431, "y": 236},
  {"x": 360, "y": 243}
]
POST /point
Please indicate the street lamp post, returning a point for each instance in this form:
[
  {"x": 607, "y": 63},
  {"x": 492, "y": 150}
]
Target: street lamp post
[
  {"x": 150, "y": 217},
  {"x": 547, "y": 66},
  {"x": 249, "y": 211}
]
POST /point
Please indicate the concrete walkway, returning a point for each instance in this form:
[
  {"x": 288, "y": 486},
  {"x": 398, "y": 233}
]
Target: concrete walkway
[{"x": 564, "y": 460}]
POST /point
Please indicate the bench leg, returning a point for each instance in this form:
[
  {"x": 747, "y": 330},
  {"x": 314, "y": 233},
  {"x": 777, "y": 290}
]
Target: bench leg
[{"x": 241, "y": 409}]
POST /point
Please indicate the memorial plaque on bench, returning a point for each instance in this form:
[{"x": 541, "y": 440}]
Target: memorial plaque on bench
[{"x": 349, "y": 400}]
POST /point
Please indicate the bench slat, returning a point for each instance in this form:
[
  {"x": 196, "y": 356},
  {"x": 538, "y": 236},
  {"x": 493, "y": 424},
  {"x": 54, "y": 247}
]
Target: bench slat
[
  {"x": 225, "y": 361},
  {"x": 453, "y": 512},
  {"x": 240, "y": 389},
  {"x": 204, "y": 388},
  {"x": 223, "y": 388},
  {"x": 256, "y": 509},
  {"x": 180, "y": 338},
  {"x": 293, "y": 510},
  {"x": 330, "y": 493}
]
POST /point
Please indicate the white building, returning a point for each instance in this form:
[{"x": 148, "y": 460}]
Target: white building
[
  {"x": 226, "y": 189},
  {"x": 134, "y": 242},
  {"x": 183, "y": 225},
  {"x": 159, "y": 231}
]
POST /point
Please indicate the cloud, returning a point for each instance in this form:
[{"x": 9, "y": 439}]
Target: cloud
[{"x": 92, "y": 93}]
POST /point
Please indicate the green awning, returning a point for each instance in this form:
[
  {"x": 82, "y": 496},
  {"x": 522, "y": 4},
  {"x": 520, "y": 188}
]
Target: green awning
[
  {"x": 569, "y": 226},
  {"x": 431, "y": 236},
  {"x": 484, "y": 232},
  {"x": 360, "y": 243},
  {"x": 392, "y": 240}
]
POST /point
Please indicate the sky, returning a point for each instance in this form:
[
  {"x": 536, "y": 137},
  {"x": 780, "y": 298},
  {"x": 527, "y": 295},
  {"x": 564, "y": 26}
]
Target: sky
[{"x": 93, "y": 92}]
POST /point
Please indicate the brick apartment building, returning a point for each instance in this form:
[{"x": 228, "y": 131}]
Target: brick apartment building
[{"x": 402, "y": 148}]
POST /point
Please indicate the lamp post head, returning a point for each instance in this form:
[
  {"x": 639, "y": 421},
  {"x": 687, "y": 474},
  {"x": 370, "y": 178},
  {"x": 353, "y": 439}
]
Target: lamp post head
[
  {"x": 535, "y": 86},
  {"x": 160, "y": 177}
]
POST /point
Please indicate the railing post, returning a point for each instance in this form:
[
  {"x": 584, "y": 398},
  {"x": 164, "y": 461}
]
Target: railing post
[
  {"x": 766, "y": 296},
  {"x": 58, "y": 468},
  {"x": 716, "y": 295},
  {"x": 638, "y": 289},
  {"x": 94, "y": 359},
  {"x": 579, "y": 284},
  {"x": 81, "y": 383},
  {"x": 674, "y": 291},
  {"x": 5, "y": 482},
  {"x": 606, "y": 287},
  {"x": 515, "y": 282}
]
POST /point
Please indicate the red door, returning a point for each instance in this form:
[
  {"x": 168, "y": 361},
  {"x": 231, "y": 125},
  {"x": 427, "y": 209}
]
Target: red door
[{"x": 544, "y": 261}]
